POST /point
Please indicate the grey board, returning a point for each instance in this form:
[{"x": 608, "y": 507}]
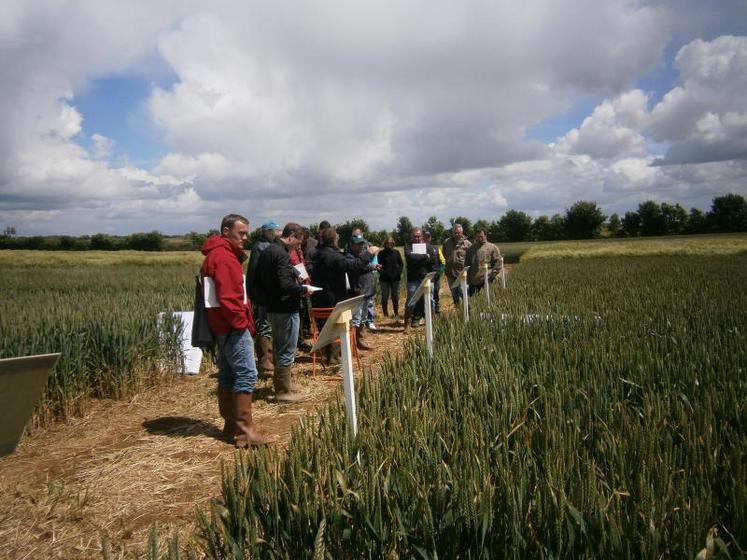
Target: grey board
[{"x": 21, "y": 383}]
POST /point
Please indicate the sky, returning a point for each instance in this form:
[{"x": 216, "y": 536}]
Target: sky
[{"x": 121, "y": 117}]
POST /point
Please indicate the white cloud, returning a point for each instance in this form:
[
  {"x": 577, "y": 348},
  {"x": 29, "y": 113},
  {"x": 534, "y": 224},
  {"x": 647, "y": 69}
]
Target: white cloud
[
  {"x": 705, "y": 117},
  {"x": 333, "y": 109}
]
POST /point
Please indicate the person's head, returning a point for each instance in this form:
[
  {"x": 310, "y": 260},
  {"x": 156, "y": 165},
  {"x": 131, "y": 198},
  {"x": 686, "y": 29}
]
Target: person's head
[
  {"x": 270, "y": 230},
  {"x": 481, "y": 236},
  {"x": 305, "y": 234},
  {"x": 292, "y": 235},
  {"x": 389, "y": 242},
  {"x": 324, "y": 224},
  {"x": 427, "y": 236},
  {"x": 416, "y": 235},
  {"x": 357, "y": 241},
  {"x": 328, "y": 237},
  {"x": 235, "y": 228},
  {"x": 458, "y": 231}
]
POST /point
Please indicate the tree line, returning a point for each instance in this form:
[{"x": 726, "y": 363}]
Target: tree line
[{"x": 583, "y": 220}]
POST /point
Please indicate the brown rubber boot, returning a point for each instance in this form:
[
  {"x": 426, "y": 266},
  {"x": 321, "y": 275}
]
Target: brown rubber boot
[
  {"x": 359, "y": 339},
  {"x": 283, "y": 390},
  {"x": 264, "y": 353},
  {"x": 248, "y": 434},
  {"x": 227, "y": 409}
]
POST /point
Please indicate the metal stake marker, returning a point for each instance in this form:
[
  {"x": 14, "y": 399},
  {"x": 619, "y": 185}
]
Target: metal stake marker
[
  {"x": 428, "y": 316},
  {"x": 461, "y": 283},
  {"x": 487, "y": 286},
  {"x": 503, "y": 274},
  {"x": 424, "y": 290},
  {"x": 343, "y": 326}
]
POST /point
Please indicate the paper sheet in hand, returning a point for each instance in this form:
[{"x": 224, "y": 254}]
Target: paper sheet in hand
[
  {"x": 303, "y": 274},
  {"x": 418, "y": 249},
  {"x": 21, "y": 383},
  {"x": 211, "y": 295}
]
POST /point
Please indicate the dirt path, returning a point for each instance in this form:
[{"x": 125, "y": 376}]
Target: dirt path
[{"x": 125, "y": 466}]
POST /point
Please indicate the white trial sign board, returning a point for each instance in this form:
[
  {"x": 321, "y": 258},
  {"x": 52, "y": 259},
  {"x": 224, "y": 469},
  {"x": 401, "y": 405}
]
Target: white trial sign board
[{"x": 419, "y": 292}]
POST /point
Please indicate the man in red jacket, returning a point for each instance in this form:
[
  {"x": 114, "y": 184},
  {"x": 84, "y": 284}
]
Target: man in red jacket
[{"x": 229, "y": 314}]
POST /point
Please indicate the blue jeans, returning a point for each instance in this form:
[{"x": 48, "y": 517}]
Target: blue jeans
[
  {"x": 261, "y": 323},
  {"x": 236, "y": 367},
  {"x": 418, "y": 308},
  {"x": 364, "y": 315},
  {"x": 456, "y": 294},
  {"x": 284, "y": 336}
]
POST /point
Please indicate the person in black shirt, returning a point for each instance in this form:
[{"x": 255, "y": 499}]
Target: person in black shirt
[{"x": 389, "y": 276}]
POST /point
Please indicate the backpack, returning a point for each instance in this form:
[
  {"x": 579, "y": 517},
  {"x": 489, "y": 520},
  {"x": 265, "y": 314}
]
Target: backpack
[{"x": 202, "y": 336}]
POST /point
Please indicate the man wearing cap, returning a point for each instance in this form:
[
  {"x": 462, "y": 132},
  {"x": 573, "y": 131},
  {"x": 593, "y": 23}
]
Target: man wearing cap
[
  {"x": 279, "y": 283},
  {"x": 269, "y": 232},
  {"x": 361, "y": 284}
]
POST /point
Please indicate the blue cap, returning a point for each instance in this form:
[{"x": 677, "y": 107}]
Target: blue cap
[
  {"x": 357, "y": 239},
  {"x": 270, "y": 225}
]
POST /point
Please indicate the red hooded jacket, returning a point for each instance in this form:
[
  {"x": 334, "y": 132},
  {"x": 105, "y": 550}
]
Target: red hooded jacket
[{"x": 223, "y": 264}]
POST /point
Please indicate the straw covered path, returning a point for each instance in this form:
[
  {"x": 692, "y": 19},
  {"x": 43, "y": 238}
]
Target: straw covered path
[{"x": 124, "y": 467}]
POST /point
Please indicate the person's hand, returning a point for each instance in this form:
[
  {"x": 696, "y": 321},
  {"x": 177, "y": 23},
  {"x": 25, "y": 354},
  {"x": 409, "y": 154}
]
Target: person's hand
[{"x": 377, "y": 267}]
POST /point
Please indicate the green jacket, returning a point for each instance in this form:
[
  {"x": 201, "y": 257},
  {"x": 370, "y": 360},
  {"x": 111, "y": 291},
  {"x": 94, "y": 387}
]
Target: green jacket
[
  {"x": 455, "y": 253},
  {"x": 477, "y": 255}
]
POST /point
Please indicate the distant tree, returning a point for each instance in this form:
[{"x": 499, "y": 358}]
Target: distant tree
[
  {"x": 152, "y": 241},
  {"x": 103, "y": 242},
  {"x": 675, "y": 218},
  {"x": 466, "y": 224},
  {"x": 651, "y": 218},
  {"x": 345, "y": 230},
  {"x": 377, "y": 237},
  {"x": 495, "y": 233},
  {"x": 584, "y": 220},
  {"x": 9, "y": 231},
  {"x": 631, "y": 224},
  {"x": 696, "y": 221},
  {"x": 614, "y": 226},
  {"x": 728, "y": 213},
  {"x": 402, "y": 232},
  {"x": 196, "y": 239},
  {"x": 548, "y": 229},
  {"x": 437, "y": 229},
  {"x": 516, "y": 225}
]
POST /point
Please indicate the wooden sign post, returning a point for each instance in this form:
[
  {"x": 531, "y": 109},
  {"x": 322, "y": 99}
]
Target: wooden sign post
[{"x": 338, "y": 326}]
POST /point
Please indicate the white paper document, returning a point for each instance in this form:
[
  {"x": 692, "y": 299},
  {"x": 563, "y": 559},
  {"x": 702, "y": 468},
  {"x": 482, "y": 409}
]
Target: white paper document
[
  {"x": 418, "y": 249},
  {"x": 210, "y": 294},
  {"x": 303, "y": 273}
]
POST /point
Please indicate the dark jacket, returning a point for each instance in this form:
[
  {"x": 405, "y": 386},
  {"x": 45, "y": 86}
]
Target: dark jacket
[
  {"x": 251, "y": 271},
  {"x": 361, "y": 283},
  {"x": 391, "y": 265},
  {"x": 223, "y": 265},
  {"x": 420, "y": 265},
  {"x": 328, "y": 272},
  {"x": 277, "y": 280}
]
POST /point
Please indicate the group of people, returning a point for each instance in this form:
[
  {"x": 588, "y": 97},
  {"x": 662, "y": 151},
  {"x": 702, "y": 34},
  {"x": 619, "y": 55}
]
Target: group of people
[{"x": 267, "y": 311}]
